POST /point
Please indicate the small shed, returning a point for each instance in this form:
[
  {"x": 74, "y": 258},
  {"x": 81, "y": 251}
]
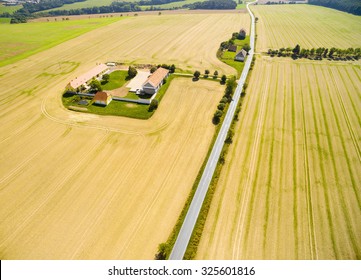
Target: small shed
[
  {"x": 232, "y": 48},
  {"x": 241, "y": 56},
  {"x": 102, "y": 98}
]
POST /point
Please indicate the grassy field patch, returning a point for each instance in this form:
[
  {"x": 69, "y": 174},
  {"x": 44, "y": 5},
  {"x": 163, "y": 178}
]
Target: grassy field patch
[
  {"x": 19, "y": 41},
  {"x": 117, "y": 80}
]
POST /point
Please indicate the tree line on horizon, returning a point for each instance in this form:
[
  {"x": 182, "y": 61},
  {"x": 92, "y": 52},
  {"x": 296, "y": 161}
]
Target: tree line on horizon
[{"x": 349, "y": 6}]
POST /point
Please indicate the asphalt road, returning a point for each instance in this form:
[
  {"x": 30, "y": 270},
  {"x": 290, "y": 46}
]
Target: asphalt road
[{"x": 185, "y": 233}]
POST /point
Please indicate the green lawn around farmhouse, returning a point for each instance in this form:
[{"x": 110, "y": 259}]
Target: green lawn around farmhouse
[
  {"x": 18, "y": 41},
  {"x": 117, "y": 79},
  {"x": 116, "y": 108}
]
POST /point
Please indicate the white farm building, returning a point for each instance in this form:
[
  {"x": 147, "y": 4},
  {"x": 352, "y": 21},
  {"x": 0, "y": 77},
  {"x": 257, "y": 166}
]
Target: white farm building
[
  {"x": 83, "y": 79},
  {"x": 155, "y": 81}
]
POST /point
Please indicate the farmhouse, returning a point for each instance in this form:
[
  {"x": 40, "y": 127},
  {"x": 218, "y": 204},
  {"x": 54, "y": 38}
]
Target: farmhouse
[
  {"x": 155, "y": 81},
  {"x": 102, "y": 98},
  {"x": 241, "y": 55},
  {"x": 232, "y": 48},
  {"x": 83, "y": 79},
  {"x": 242, "y": 34}
]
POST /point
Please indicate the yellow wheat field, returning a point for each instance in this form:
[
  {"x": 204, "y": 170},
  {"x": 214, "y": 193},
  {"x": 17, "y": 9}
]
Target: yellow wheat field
[
  {"x": 290, "y": 188},
  {"x": 283, "y": 26},
  {"x": 81, "y": 186}
]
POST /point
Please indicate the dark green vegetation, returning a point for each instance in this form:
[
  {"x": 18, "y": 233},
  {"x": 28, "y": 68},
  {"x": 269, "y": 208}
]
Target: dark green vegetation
[
  {"x": 213, "y": 5},
  {"x": 350, "y": 6},
  {"x": 317, "y": 54},
  {"x": 116, "y": 108},
  {"x": 20, "y": 41}
]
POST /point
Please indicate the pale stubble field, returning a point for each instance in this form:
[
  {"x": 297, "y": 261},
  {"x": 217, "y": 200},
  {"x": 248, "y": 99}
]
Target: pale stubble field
[
  {"x": 81, "y": 186},
  {"x": 290, "y": 188}
]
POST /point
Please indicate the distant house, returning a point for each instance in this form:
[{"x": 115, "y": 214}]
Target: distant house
[
  {"x": 155, "y": 81},
  {"x": 88, "y": 76},
  {"x": 241, "y": 56},
  {"x": 111, "y": 64},
  {"x": 232, "y": 48},
  {"x": 242, "y": 34},
  {"x": 102, "y": 98}
]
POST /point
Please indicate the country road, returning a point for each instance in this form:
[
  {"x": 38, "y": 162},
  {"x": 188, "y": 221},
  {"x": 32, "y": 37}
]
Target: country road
[{"x": 186, "y": 230}]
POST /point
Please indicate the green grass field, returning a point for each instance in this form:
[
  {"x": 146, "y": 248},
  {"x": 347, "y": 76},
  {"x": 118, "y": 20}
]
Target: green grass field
[
  {"x": 19, "y": 41},
  {"x": 117, "y": 80},
  {"x": 4, "y": 20},
  {"x": 9, "y": 9}
]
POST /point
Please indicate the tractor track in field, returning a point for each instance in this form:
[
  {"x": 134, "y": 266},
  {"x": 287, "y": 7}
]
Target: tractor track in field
[
  {"x": 254, "y": 153},
  {"x": 311, "y": 226}
]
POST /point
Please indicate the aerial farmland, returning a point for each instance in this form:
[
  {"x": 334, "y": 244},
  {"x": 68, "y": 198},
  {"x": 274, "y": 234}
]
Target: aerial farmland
[
  {"x": 77, "y": 182},
  {"x": 290, "y": 187}
]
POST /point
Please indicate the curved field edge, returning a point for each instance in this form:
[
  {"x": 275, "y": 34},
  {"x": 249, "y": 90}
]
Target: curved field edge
[{"x": 306, "y": 200}]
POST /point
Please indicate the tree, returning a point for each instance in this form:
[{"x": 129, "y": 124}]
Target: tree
[
  {"x": 246, "y": 47},
  {"x": 153, "y": 105},
  {"x": 106, "y": 78},
  {"x": 163, "y": 251},
  {"x": 206, "y": 73},
  {"x": 215, "y": 74},
  {"x": 217, "y": 117},
  {"x": 95, "y": 85},
  {"x": 196, "y": 75},
  {"x": 152, "y": 70},
  {"x": 221, "y": 106},
  {"x": 132, "y": 72},
  {"x": 172, "y": 68},
  {"x": 223, "y": 79},
  {"x": 296, "y": 50}
]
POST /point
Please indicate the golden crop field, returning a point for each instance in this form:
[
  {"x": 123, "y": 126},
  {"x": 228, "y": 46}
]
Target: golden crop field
[
  {"x": 282, "y": 26},
  {"x": 81, "y": 186},
  {"x": 290, "y": 187}
]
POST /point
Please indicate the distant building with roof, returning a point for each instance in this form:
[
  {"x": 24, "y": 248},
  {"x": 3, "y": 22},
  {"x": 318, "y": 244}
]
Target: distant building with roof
[
  {"x": 88, "y": 76},
  {"x": 241, "y": 56},
  {"x": 102, "y": 98},
  {"x": 232, "y": 48},
  {"x": 155, "y": 81}
]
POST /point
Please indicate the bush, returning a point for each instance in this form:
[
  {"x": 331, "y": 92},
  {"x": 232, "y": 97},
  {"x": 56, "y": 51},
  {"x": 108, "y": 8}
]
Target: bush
[
  {"x": 196, "y": 75},
  {"x": 153, "y": 105},
  {"x": 221, "y": 106},
  {"x": 223, "y": 79},
  {"x": 132, "y": 72}
]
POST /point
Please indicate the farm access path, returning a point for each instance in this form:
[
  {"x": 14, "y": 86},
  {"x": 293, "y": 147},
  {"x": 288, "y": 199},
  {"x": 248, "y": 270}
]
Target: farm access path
[{"x": 186, "y": 230}]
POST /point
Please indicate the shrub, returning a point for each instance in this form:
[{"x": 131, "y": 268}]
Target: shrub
[{"x": 153, "y": 105}]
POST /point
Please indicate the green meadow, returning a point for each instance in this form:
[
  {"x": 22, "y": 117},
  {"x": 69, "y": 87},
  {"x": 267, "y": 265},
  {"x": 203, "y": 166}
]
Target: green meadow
[{"x": 19, "y": 41}]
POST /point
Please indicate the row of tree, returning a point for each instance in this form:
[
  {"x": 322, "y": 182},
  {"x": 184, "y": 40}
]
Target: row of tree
[
  {"x": 317, "y": 53},
  {"x": 212, "y": 5},
  {"x": 31, "y": 10},
  {"x": 231, "y": 85},
  {"x": 350, "y": 6},
  {"x": 115, "y": 7}
]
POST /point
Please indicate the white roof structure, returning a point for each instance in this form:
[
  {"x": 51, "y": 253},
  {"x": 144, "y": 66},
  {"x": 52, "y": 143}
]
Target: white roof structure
[{"x": 77, "y": 82}]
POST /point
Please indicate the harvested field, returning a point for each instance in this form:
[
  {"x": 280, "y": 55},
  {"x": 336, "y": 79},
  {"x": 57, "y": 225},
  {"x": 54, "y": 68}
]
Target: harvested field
[
  {"x": 160, "y": 39},
  {"x": 290, "y": 187},
  {"x": 307, "y": 25},
  {"x": 80, "y": 186}
]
